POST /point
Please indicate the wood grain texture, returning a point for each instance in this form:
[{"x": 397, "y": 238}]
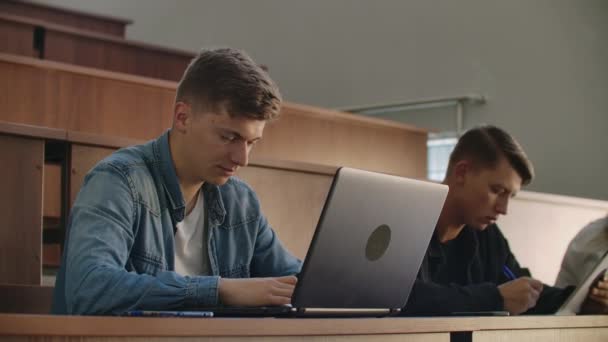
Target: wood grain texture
[
  {"x": 84, "y": 103},
  {"x": 17, "y": 38},
  {"x": 52, "y": 190},
  {"x": 305, "y": 136},
  {"x": 434, "y": 337},
  {"x": 21, "y": 210},
  {"x": 115, "y": 105},
  {"x": 48, "y": 325},
  {"x": 542, "y": 335},
  {"x": 114, "y": 108},
  {"x": 20, "y": 85},
  {"x": 88, "y": 21},
  {"x": 115, "y": 55}
]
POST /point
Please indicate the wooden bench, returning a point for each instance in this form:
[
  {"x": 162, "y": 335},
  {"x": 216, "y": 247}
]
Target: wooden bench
[
  {"x": 64, "y": 16},
  {"x": 55, "y": 42}
]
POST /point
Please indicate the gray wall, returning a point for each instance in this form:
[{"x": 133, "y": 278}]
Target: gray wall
[{"x": 543, "y": 65}]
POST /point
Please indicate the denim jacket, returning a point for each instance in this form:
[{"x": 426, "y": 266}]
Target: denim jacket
[{"x": 119, "y": 248}]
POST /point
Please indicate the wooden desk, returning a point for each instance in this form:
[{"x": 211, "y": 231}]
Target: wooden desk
[
  {"x": 15, "y": 327},
  {"x": 59, "y": 15},
  {"x": 91, "y": 49}
]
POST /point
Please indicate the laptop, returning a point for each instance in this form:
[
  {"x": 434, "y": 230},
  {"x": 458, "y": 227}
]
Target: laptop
[
  {"x": 572, "y": 305},
  {"x": 367, "y": 248}
]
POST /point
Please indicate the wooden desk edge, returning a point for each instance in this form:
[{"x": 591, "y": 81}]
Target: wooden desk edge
[
  {"x": 32, "y": 131},
  {"x": 99, "y": 140},
  {"x": 21, "y": 325}
]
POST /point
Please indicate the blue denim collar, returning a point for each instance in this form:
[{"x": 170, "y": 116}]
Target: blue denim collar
[
  {"x": 170, "y": 180},
  {"x": 212, "y": 194},
  {"x": 215, "y": 207}
]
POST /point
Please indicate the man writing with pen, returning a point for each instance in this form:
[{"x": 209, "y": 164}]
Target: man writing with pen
[{"x": 469, "y": 266}]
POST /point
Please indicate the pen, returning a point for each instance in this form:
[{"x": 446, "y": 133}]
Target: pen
[
  {"x": 508, "y": 273},
  {"x": 152, "y": 313}
]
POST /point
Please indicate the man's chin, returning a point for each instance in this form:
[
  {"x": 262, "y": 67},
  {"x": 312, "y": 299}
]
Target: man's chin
[
  {"x": 479, "y": 226},
  {"x": 218, "y": 180}
]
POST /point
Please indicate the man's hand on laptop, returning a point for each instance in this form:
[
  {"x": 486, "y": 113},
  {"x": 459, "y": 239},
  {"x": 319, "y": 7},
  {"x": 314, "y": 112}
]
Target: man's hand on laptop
[
  {"x": 597, "y": 300},
  {"x": 256, "y": 291},
  {"x": 520, "y": 294}
]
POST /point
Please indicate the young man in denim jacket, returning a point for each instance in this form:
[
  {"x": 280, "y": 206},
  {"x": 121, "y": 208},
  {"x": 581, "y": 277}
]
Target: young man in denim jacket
[{"x": 164, "y": 225}]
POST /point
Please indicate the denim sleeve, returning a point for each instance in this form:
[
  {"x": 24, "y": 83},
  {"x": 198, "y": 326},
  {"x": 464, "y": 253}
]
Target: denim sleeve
[
  {"x": 270, "y": 258},
  {"x": 102, "y": 228}
]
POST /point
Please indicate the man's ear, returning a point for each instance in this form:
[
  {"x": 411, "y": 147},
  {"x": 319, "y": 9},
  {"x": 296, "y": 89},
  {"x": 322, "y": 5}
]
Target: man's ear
[
  {"x": 182, "y": 116},
  {"x": 460, "y": 170}
]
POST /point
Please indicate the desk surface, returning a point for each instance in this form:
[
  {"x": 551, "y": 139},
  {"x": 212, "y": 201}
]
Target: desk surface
[{"x": 37, "y": 325}]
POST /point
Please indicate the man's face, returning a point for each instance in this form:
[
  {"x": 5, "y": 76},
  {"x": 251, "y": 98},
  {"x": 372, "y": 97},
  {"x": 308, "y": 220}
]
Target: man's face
[
  {"x": 483, "y": 193},
  {"x": 219, "y": 144}
]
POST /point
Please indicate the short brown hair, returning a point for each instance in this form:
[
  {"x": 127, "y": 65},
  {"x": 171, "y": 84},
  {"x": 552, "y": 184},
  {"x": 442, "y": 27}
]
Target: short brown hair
[
  {"x": 485, "y": 145},
  {"x": 229, "y": 77}
]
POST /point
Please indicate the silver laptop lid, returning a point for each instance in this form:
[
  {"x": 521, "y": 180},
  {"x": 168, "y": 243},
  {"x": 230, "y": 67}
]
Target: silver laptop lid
[{"x": 370, "y": 241}]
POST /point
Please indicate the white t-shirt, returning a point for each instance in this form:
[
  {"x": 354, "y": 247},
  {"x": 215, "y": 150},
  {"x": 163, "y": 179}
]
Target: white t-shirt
[
  {"x": 584, "y": 252},
  {"x": 191, "y": 256}
]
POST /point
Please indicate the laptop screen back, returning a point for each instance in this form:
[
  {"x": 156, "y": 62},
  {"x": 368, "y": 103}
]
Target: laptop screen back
[{"x": 370, "y": 241}]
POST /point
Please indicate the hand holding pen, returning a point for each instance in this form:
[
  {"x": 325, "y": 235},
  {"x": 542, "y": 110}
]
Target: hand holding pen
[{"x": 519, "y": 294}]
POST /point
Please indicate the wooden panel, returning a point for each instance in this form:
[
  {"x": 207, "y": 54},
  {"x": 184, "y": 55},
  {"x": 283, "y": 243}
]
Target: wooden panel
[
  {"x": 83, "y": 160},
  {"x": 115, "y": 108},
  {"x": 301, "y": 134},
  {"x": 113, "y": 104},
  {"x": 29, "y": 299},
  {"x": 436, "y": 337},
  {"x": 51, "y": 254},
  {"x": 21, "y": 210},
  {"x": 542, "y": 335},
  {"x": 64, "y": 16},
  {"x": 89, "y": 49},
  {"x": 112, "y": 55},
  {"x": 17, "y": 38},
  {"x": 52, "y": 191},
  {"x": 19, "y": 85},
  {"x": 98, "y": 105},
  {"x": 292, "y": 202}
]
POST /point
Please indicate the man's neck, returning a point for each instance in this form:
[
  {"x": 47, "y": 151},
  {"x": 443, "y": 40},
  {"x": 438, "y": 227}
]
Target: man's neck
[
  {"x": 448, "y": 232},
  {"x": 449, "y": 225}
]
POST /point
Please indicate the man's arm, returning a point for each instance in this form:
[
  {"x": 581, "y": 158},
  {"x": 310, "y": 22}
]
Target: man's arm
[
  {"x": 550, "y": 298},
  {"x": 102, "y": 229},
  {"x": 273, "y": 268}
]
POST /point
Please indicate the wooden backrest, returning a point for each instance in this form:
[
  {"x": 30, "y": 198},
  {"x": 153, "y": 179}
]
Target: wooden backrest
[
  {"x": 64, "y": 16},
  {"x": 111, "y": 104},
  {"x": 37, "y": 38}
]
